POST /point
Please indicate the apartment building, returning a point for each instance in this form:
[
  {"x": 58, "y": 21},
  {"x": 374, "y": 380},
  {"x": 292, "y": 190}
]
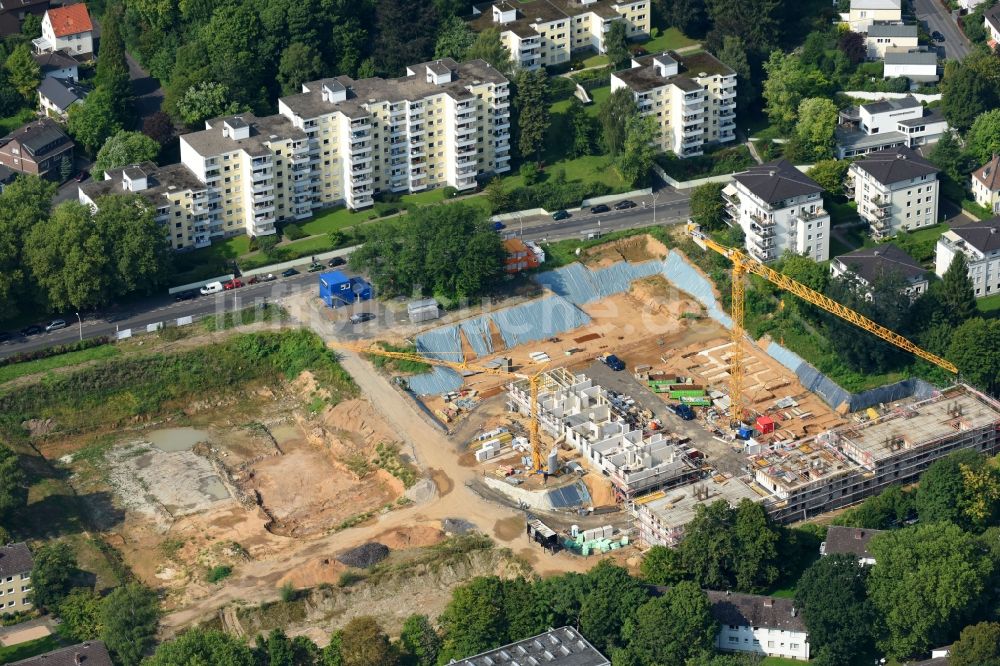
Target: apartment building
[
  {"x": 759, "y": 625},
  {"x": 980, "y": 243},
  {"x": 894, "y": 189},
  {"x": 37, "y": 148},
  {"x": 67, "y": 29},
  {"x": 443, "y": 124},
  {"x": 868, "y": 265},
  {"x": 864, "y": 13},
  {"x": 986, "y": 185},
  {"x": 883, "y": 37},
  {"x": 15, "y": 577},
  {"x": 887, "y": 124},
  {"x": 779, "y": 209},
  {"x": 691, "y": 98},
  {"x": 541, "y": 33}
]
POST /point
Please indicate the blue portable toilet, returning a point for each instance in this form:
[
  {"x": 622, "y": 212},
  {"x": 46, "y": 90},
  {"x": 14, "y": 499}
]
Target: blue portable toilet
[{"x": 336, "y": 289}]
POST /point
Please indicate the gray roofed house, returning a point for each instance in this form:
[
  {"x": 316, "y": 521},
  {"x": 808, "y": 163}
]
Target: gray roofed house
[
  {"x": 36, "y": 148},
  {"x": 895, "y": 165},
  {"x": 911, "y": 58},
  {"x": 556, "y": 647},
  {"x": 849, "y": 541},
  {"x": 880, "y": 29},
  {"x": 759, "y": 624},
  {"x": 914, "y": 64},
  {"x": 984, "y": 236},
  {"x": 57, "y": 64},
  {"x": 57, "y": 95},
  {"x": 992, "y": 18},
  {"x": 15, "y": 559},
  {"x": 776, "y": 181},
  {"x": 869, "y": 264},
  {"x": 884, "y": 105},
  {"x": 91, "y": 653}
]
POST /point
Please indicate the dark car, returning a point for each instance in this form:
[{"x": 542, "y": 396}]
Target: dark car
[
  {"x": 186, "y": 295},
  {"x": 599, "y": 208},
  {"x": 624, "y": 205},
  {"x": 336, "y": 261},
  {"x": 362, "y": 317},
  {"x": 289, "y": 272},
  {"x": 31, "y": 330},
  {"x": 499, "y": 226},
  {"x": 81, "y": 176},
  {"x": 614, "y": 362},
  {"x": 937, "y": 36},
  {"x": 560, "y": 215},
  {"x": 683, "y": 411}
]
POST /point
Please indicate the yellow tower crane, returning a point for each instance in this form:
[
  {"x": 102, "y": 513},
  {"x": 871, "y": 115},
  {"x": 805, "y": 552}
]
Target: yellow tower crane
[
  {"x": 743, "y": 264},
  {"x": 534, "y": 383}
]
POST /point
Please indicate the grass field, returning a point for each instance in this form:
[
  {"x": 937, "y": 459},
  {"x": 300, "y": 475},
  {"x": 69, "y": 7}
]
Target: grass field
[
  {"x": 9, "y": 372},
  {"x": 779, "y": 661},
  {"x": 11, "y": 123},
  {"x": 671, "y": 38},
  {"x": 29, "y": 649},
  {"x": 990, "y": 305}
]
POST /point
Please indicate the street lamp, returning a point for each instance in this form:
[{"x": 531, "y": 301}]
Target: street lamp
[
  {"x": 654, "y": 197},
  {"x": 80, "y": 320}
]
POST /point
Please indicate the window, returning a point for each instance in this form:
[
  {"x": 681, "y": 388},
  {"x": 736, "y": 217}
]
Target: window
[{"x": 734, "y": 639}]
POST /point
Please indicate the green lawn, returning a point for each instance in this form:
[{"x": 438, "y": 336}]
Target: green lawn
[
  {"x": 989, "y": 305},
  {"x": 11, "y": 123},
  {"x": 29, "y": 649},
  {"x": 590, "y": 169},
  {"x": 668, "y": 39},
  {"x": 779, "y": 661},
  {"x": 9, "y": 372},
  {"x": 331, "y": 220},
  {"x": 596, "y": 61}
]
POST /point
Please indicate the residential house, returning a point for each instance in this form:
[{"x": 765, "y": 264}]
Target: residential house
[
  {"x": 867, "y": 265},
  {"x": 37, "y": 148},
  {"x": 915, "y": 64},
  {"x": 894, "y": 189},
  {"x": 992, "y": 20},
  {"x": 986, "y": 185},
  {"x": 779, "y": 209},
  {"x": 555, "y": 647},
  {"x": 865, "y": 12},
  {"x": 849, "y": 541},
  {"x": 691, "y": 98},
  {"x": 55, "y": 96},
  {"x": 91, "y": 653},
  {"x": 520, "y": 257},
  {"x": 67, "y": 28},
  {"x": 58, "y": 65},
  {"x": 12, "y": 13},
  {"x": 887, "y": 124},
  {"x": 884, "y": 37},
  {"x": 760, "y": 625},
  {"x": 980, "y": 243},
  {"x": 549, "y": 32},
  {"x": 15, "y": 577}
]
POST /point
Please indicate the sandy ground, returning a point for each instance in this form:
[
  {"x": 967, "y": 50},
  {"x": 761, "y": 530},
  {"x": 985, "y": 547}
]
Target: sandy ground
[{"x": 24, "y": 635}]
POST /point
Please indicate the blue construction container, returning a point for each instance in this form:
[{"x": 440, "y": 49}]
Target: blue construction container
[{"x": 336, "y": 289}]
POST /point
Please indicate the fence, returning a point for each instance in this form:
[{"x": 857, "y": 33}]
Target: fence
[{"x": 873, "y": 96}]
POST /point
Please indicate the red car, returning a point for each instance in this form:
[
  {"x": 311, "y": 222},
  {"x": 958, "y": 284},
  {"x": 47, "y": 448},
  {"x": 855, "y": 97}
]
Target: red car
[{"x": 235, "y": 283}]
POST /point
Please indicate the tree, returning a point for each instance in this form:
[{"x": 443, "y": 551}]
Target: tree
[
  {"x": 616, "y": 44},
  {"x": 419, "y": 643},
  {"x": 23, "y": 72},
  {"x": 613, "y": 115},
  {"x": 636, "y": 159},
  {"x": 947, "y": 156},
  {"x": 830, "y": 175},
  {"x": 928, "y": 581},
  {"x": 94, "y": 120},
  {"x": 689, "y": 16},
  {"x": 474, "y": 619},
  {"x": 757, "y": 543},
  {"x": 206, "y": 100},
  {"x": 299, "y": 63},
  {"x": 983, "y": 138},
  {"x": 583, "y": 129},
  {"x": 787, "y": 84},
  {"x": 531, "y": 88},
  {"x": 707, "y": 206},
  {"x": 129, "y": 617},
  {"x": 833, "y": 597},
  {"x": 402, "y": 36},
  {"x": 31, "y": 26},
  {"x": 279, "y": 649},
  {"x": 54, "y": 564},
  {"x": 977, "y": 645},
  {"x": 734, "y": 55},
  {"x": 489, "y": 46},
  {"x": 363, "y": 643},
  {"x": 610, "y": 599},
  {"x": 941, "y": 495},
  {"x": 671, "y": 628},
  {"x": 23, "y": 204},
  {"x": 817, "y": 121},
  {"x": 80, "y": 615},
  {"x": 497, "y": 196},
  {"x": 880, "y": 512},
  {"x": 198, "y": 646},
  {"x": 757, "y": 23},
  {"x": 957, "y": 296},
  {"x": 662, "y": 566},
  {"x": 852, "y": 44},
  {"x": 123, "y": 149},
  {"x": 453, "y": 39},
  {"x": 965, "y": 94},
  {"x": 974, "y": 350},
  {"x": 13, "y": 482}
]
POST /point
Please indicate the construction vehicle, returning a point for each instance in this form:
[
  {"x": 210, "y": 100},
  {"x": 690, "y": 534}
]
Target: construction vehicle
[
  {"x": 534, "y": 382},
  {"x": 743, "y": 264}
]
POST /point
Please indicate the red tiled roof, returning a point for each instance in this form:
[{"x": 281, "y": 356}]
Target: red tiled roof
[{"x": 70, "y": 20}]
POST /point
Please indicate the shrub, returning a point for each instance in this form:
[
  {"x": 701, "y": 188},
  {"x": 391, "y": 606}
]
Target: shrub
[
  {"x": 294, "y": 232},
  {"x": 529, "y": 173},
  {"x": 288, "y": 593},
  {"x": 450, "y": 192},
  {"x": 55, "y": 350},
  {"x": 218, "y": 573},
  {"x": 349, "y": 578}
]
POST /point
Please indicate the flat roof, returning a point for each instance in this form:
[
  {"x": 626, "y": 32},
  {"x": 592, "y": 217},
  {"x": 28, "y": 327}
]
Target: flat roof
[
  {"x": 159, "y": 180},
  {"x": 263, "y": 130},
  {"x": 556, "y": 647},
  {"x": 677, "y": 507},
  {"x": 689, "y": 67}
]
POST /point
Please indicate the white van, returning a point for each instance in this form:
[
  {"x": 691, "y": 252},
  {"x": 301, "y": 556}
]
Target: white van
[{"x": 211, "y": 288}]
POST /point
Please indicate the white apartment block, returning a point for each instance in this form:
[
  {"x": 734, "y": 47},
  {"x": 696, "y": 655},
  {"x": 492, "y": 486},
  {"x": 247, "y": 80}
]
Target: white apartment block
[
  {"x": 884, "y": 37},
  {"x": 887, "y": 124},
  {"x": 980, "y": 243},
  {"x": 442, "y": 124},
  {"x": 541, "y": 33},
  {"x": 779, "y": 209},
  {"x": 67, "y": 29},
  {"x": 986, "y": 185},
  {"x": 866, "y": 12},
  {"x": 894, "y": 189},
  {"x": 691, "y": 98},
  {"x": 759, "y": 625}
]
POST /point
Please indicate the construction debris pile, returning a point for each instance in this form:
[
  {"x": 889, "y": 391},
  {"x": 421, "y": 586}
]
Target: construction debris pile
[{"x": 364, "y": 556}]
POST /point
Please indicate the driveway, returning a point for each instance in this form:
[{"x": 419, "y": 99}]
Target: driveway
[
  {"x": 146, "y": 89},
  {"x": 936, "y": 17}
]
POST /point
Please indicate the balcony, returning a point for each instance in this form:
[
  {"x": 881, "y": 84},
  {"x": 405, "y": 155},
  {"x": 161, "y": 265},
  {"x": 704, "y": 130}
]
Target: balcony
[
  {"x": 692, "y": 131},
  {"x": 731, "y": 199},
  {"x": 849, "y": 186},
  {"x": 763, "y": 222},
  {"x": 262, "y": 198},
  {"x": 500, "y": 103},
  {"x": 262, "y": 175},
  {"x": 501, "y": 125},
  {"x": 359, "y": 123},
  {"x": 361, "y": 180},
  {"x": 465, "y": 116},
  {"x": 727, "y": 94},
  {"x": 811, "y": 215},
  {"x": 763, "y": 255},
  {"x": 258, "y": 162},
  {"x": 417, "y": 152},
  {"x": 463, "y": 140}
]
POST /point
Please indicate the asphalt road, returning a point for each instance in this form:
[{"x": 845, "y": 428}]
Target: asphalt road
[
  {"x": 936, "y": 17},
  {"x": 671, "y": 208}
]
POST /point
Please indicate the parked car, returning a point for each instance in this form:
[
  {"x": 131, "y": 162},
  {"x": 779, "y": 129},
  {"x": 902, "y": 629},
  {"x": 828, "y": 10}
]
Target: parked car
[
  {"x": 31, "y": 330},
  {"x": 81, "y": 176},
  {"x": 315, "y": 267},
  {"x": 257, "y": 279},
  {"x": 499, "y": 226},
  {"x": 362, "y": 317},
  {"x": 614, "y": 362},
  {"x": 55, "y": 325},
  {"x": 235, "y": 283},
  {"x": 185, "y": 295},
  {"x": 211, "y": 288},
  {"x": 336, "y": 261},
  {"x": 289, "y": 272},
  {"x": 560, "y": 215},
  {"x": 599, "y": 208},
  {"x": 683, "y": 411},
  {"x": 625, "y": 204},
  {"x": 937, "y": 36}
]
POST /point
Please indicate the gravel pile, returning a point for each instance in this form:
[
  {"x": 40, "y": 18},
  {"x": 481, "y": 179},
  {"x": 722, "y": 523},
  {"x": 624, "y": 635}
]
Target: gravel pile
[
  {"x": 364, "y": 556},
  {"x": 456, "y": 526}
]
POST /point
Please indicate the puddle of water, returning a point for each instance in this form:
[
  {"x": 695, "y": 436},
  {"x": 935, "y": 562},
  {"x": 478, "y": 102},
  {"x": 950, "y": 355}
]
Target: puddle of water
[
  {"x": 285, "y": 432},
  {"x": 214, "y": 488},
  {"x": 176, "y": 439}
]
